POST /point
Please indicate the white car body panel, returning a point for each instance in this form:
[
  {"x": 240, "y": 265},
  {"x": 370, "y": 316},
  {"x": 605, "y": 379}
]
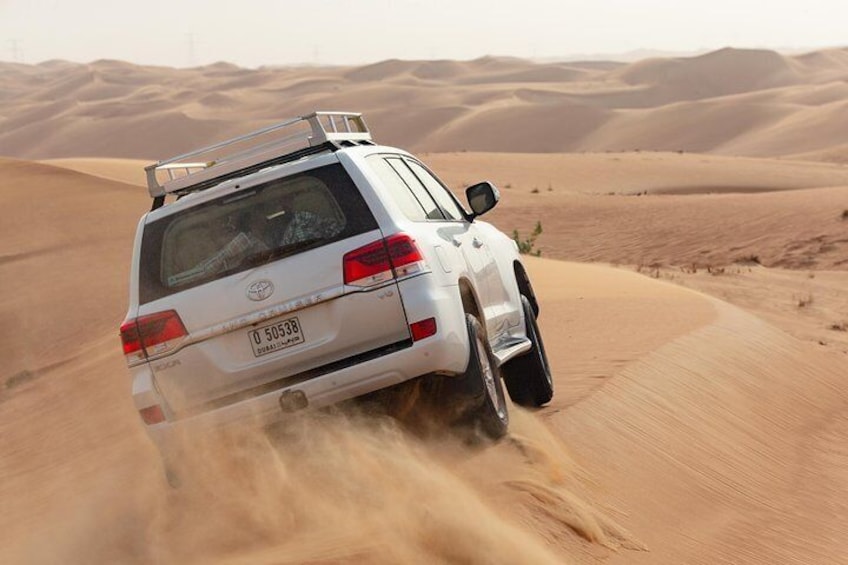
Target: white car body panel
[{"x": 356, "y": 340}]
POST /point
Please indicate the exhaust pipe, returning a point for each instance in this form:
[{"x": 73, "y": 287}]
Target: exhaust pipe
[{"x": 292, "y": 401}]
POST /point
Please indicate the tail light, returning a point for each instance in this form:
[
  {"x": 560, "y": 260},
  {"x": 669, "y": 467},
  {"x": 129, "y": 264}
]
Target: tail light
[
  {"x": 152, "y": 415},
  {"x": 422, "y": 329},
  {"x": 394, "y": 256},
  {"x": 151, "y": 335}
]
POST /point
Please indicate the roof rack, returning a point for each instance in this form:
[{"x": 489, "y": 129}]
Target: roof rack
[{"x": 286, "y": 141}]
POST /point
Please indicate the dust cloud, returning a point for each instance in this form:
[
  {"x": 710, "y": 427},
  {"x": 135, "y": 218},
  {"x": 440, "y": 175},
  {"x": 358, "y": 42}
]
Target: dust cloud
[{"x": 336, "y": 487}]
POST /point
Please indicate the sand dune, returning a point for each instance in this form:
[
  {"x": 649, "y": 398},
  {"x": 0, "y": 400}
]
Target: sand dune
[
  {"x": 810, "y": 128},
  {"x": 730, "y": 102},
  {"x": 838, "y": 154},
  {"x": 66, "y": 225},
  {"x": 77, "y": 458},
  {"x": 827, "y": 64},
  {"x": 793, "y": 229},
  {"x": 742, "y": 424},
  {"x": 727, "y": 71},
  {"x": 691, "y": 425},
  {"x": 127, "y": 171},
  {"x": 684, "y": 429}
]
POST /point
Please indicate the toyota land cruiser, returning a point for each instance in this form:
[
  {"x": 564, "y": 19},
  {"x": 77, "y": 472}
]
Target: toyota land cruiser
[{"x": 303, "y": 265}]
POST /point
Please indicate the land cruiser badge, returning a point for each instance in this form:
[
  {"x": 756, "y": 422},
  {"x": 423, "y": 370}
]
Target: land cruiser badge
[{"x": 260, "y": 290}]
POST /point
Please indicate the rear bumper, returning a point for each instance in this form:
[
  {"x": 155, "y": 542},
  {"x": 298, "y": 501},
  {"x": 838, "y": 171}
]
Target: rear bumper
[{"x": 444, "y": 352}]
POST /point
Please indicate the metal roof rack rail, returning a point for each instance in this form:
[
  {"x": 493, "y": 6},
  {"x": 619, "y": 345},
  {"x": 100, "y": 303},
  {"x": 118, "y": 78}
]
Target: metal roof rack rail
[{"x": 286, "y": 141}]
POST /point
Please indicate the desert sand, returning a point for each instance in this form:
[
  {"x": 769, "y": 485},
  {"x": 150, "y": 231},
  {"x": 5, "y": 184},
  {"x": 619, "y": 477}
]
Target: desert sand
[
  {"x": 694, "y": 261},
  {"x": 736, "y": 102}
]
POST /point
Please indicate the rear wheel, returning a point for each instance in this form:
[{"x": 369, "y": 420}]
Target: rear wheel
[
  {"x": 489, "y": 411},
  {"x": 528, "y": 378}
]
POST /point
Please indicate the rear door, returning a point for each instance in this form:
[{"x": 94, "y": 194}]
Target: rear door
[{"x": 257, "y": 278}]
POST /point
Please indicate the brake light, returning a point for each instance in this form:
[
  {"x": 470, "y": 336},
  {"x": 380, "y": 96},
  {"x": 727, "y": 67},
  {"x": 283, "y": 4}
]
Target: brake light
[
  {"x": 404, "y": 254},
  {"x": 152, "y": 415},
  {"x": 151, "y": 335},
  {"x": 394, "y": 256},
  {"x": 131, "y": 341},
  {"x": 422, "y": 329}
]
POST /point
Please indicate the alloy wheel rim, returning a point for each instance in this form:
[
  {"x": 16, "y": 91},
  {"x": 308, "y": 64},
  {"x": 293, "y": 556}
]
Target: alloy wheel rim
[{"x": 489, "y": 379}]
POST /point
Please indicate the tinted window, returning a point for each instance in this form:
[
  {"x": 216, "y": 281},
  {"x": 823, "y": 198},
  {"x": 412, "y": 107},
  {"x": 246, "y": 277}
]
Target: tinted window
[
  {"x": 398, "y": 190},
  {"x": 438, "y": 191},
  {"x": 431, "y": 209},
  {"x": 245, "y": 229}
]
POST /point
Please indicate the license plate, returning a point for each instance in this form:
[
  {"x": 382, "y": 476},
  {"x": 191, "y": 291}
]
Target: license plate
[{"x": 276, "y": 336}]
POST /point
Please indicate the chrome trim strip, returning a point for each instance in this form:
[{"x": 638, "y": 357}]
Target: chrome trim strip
[
  {"x": 252, "y": 319},
  {"x": 274, "y": 312}
]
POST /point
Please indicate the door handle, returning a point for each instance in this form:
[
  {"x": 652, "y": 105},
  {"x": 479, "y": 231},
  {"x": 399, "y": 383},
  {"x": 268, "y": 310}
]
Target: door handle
[
  {"x": 456, "y": 242},
  {"x": 477, "y": 243}
]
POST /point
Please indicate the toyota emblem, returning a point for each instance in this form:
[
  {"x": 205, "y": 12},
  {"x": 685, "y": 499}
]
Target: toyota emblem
[{"x": 260, "y": 290}]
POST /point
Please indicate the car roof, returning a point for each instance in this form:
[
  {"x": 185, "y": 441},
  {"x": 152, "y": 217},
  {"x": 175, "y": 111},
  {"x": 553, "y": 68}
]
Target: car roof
[{"x": 272, "y": 172}]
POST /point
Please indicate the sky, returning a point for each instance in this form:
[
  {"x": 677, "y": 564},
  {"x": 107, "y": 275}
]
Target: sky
[{"x": 252, "y": 33}]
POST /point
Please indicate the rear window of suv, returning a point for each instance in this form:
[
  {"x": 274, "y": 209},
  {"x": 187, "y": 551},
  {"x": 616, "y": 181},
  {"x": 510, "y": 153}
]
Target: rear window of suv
[{"x": 245, "y": 229}]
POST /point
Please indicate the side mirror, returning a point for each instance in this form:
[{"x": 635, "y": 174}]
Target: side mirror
[{"x": 482, "y": 197}]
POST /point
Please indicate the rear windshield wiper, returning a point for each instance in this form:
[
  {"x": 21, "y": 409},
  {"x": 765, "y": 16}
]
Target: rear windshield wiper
[{"x": 263, "y": 257}]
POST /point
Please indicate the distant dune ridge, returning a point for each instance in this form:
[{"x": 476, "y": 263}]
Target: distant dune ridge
[{"x": 731, "y": 101}]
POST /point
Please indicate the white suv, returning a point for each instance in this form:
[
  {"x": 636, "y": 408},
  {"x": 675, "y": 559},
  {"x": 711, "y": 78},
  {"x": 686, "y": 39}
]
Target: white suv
[{"x": 297, "y": 269}]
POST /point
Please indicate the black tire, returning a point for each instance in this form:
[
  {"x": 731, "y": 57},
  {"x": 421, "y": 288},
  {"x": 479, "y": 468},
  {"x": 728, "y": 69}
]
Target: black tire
[
  {"x": 528, "y": 378},
  {"x": 525, "y": 288},
  {"x": 489, "y": 412}
]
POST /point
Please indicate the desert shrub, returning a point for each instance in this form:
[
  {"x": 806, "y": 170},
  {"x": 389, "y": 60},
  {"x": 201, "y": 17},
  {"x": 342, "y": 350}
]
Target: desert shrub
[
  {"x": 652, "y": 270},
  {"x": 839, "y": 327},
  {"x": 749, "y": 259},
  {"x": 845, "y": 214},
  {"x": 19, "y": 378},
  {"x": 525, "y": 246},
  {"x": 805, "y": 300}
]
